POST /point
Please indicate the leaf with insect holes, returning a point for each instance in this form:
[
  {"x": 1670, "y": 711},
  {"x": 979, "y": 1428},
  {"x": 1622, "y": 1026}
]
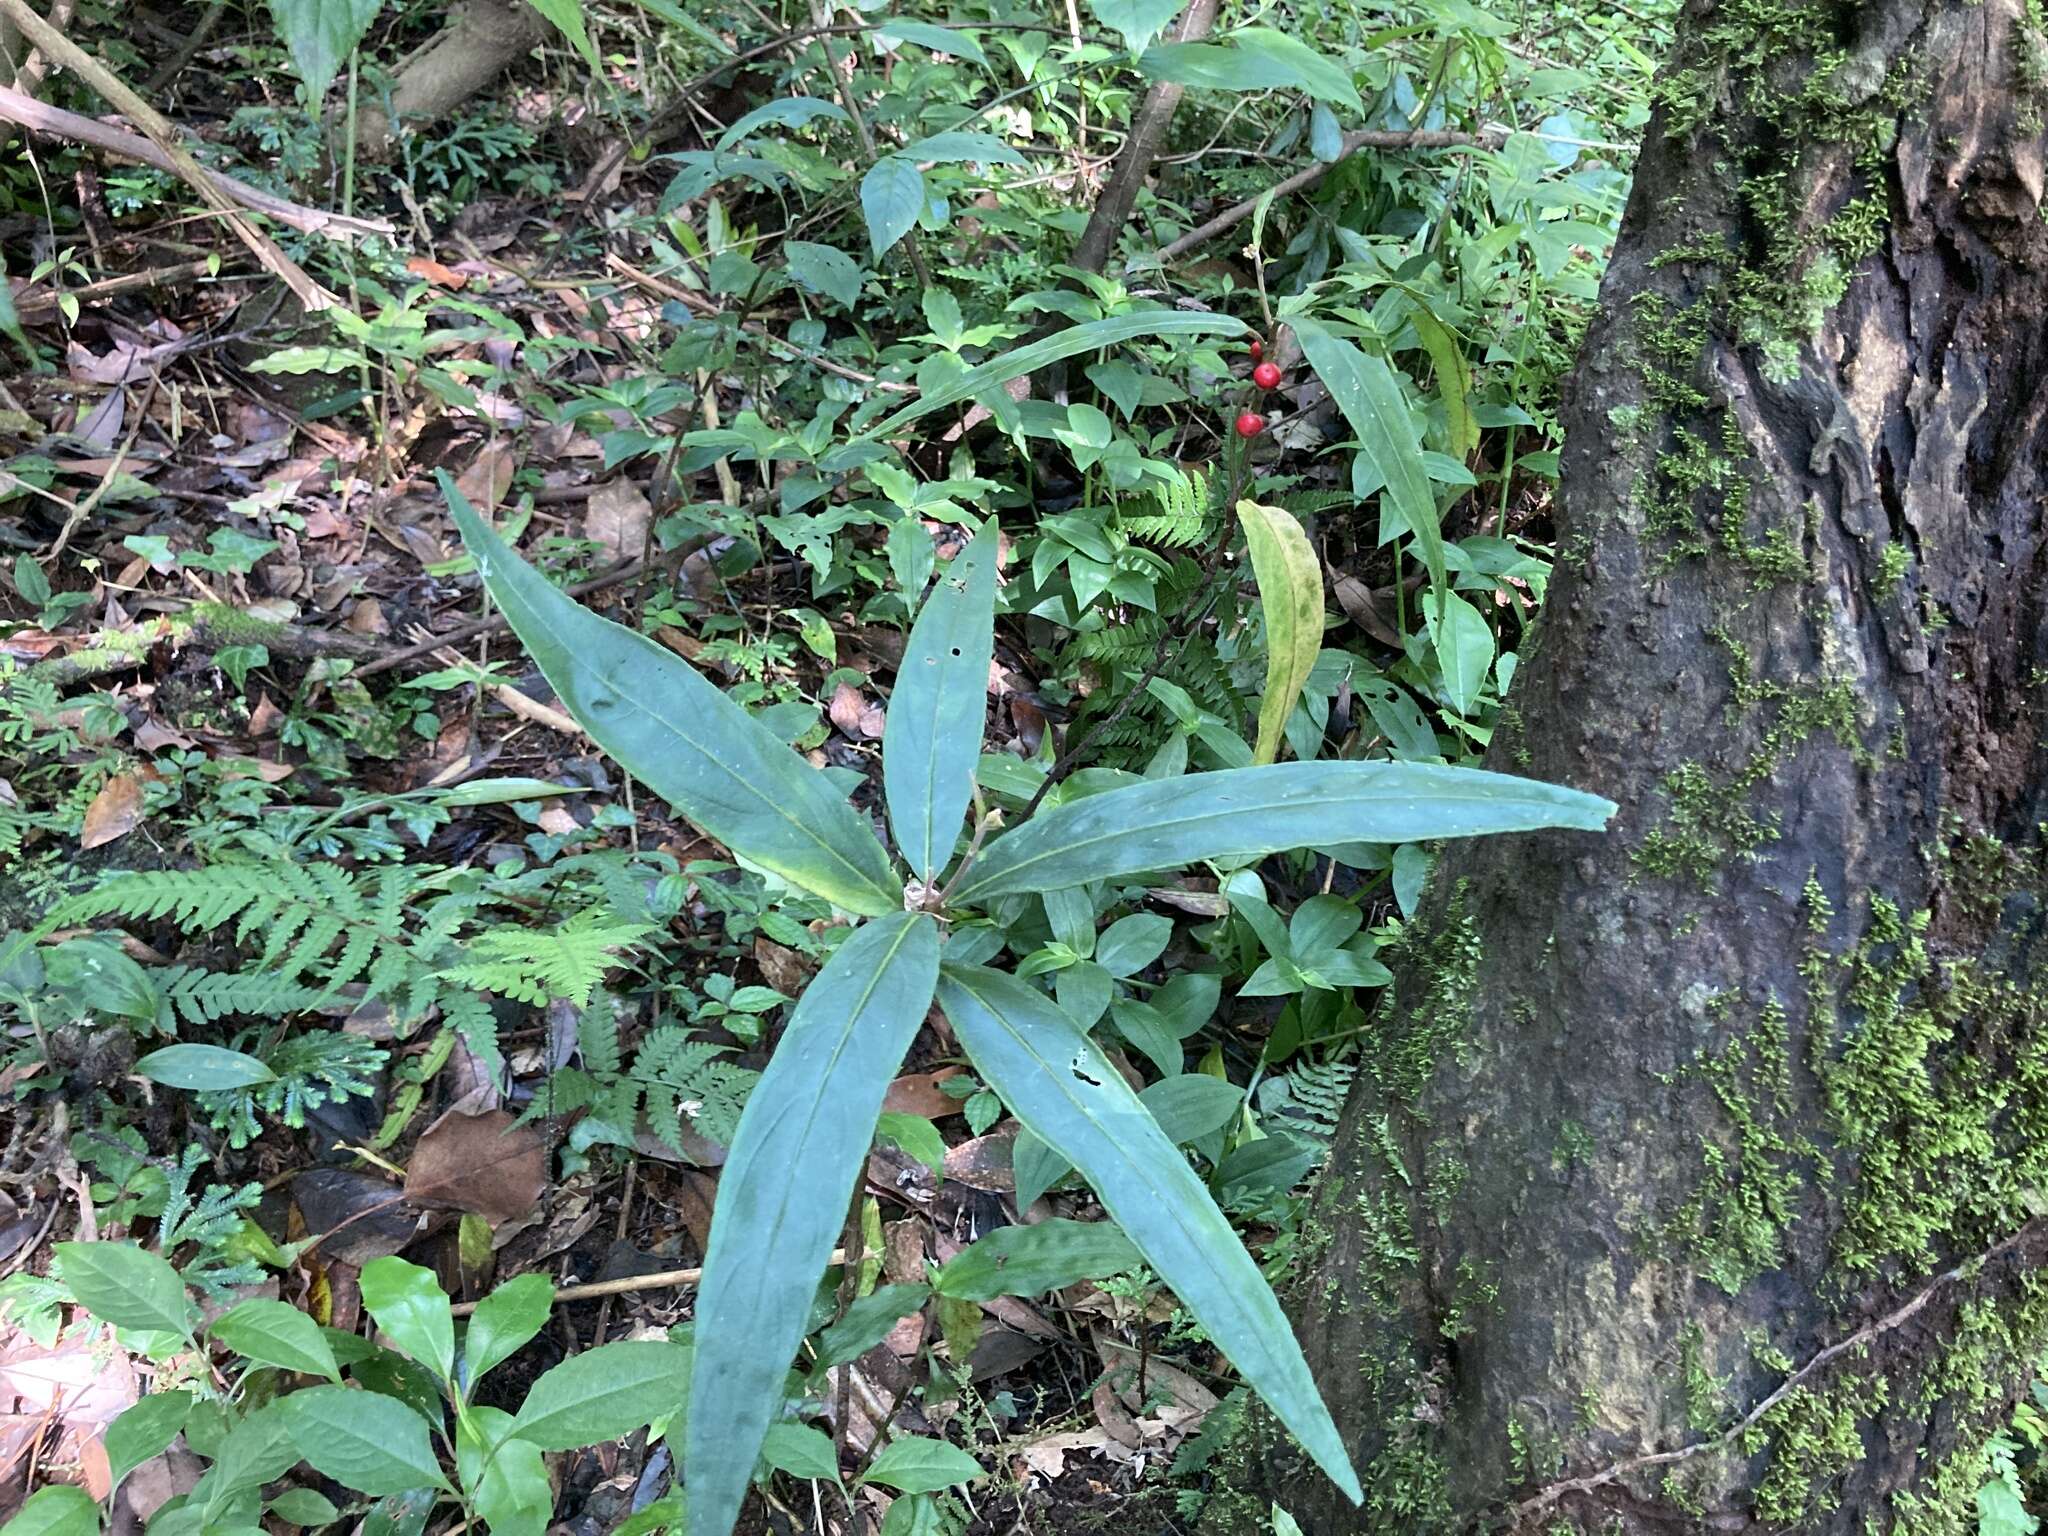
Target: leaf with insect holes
[{"x": 931, "y": 739}]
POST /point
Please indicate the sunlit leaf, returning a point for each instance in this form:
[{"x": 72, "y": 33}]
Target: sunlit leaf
[
  {"x": 1290, "y": 583},
  {"x": 1246, "y": 813}
]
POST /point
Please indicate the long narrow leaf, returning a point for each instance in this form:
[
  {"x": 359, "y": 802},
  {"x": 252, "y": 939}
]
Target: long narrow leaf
[
  {"x": 1051, "y": 1074},
  {"x": 1291, "y": 601},
  {"x": 675, "y": 732},
  {"x": 1245, "y": 813},
  {"x": 932, "y": 737},
  {"x": 1075, "y": 339},
  {"x": 1369, "y": 395},
  {"x": 782, "y": 1196}
]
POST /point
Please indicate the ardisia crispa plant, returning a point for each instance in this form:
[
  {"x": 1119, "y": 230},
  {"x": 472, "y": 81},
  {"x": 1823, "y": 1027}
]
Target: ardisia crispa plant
[{"x": 784, "y": 1191}]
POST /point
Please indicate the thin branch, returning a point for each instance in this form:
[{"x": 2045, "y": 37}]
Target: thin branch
[
  {"x": 711, "y": 311},
  {"x": 61, "y": 50},
  {"x": 659, "y": 1280},
  {"x": 1491, "y": 138},
  {"x": 34, "y": 115},
  {"x": 1147, "y": 137},
  {"x": 1543, "y": 1498}
]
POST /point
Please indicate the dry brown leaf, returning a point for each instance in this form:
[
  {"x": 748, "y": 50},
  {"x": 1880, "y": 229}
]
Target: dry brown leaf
[
  {"x": 367, "y": 618},
  {"x": 984, "y": 1163},
  {"x": 489, "y": 475},
  {"x": 617, "y": 517},
  {"x": 854, "y": 715},
  {"x": 485, "y": 1163},
  {"x": 1047, "y": 1455},
  {"x": 435, "y": 273},
  {"x": 1361, "y": 604},
  {"x": 919, "y": 1093},
  {"x": 115, "y": 811},
  {"x": 787, "y": 971}
]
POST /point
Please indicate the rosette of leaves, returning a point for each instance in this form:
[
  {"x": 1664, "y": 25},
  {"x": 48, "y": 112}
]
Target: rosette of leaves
[{"x": 817, "y": 1105}]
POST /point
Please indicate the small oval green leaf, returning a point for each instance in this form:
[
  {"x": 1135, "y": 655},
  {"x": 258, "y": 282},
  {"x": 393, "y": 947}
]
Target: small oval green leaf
[{"x": 203, "y": 1068}]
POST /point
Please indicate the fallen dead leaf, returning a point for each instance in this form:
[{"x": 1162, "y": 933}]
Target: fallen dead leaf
[
  {"x": 782, "y": 968},
  {"x": 115, "y": 811},
  {"x": 489, "y": 475},
  {"x": 484, "y": 1163},
  {"x": 1047, "y": 1455},
  {"x": 1362, "y": 605},
  {"x": 919, "y": 1093},
  {"x": 435, "y": 273},
  {"x": 854, "y": 715},
  {"x": 617, "y": 517},
  {"x": 360, "y": 1217}
]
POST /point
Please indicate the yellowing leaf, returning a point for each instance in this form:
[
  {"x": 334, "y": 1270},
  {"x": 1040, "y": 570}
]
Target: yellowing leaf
[{"x": 1291, "y": 597}]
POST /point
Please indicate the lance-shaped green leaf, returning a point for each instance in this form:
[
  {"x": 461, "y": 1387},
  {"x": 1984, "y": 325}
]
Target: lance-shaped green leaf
[
  {"x": 1449, "y": 363},
  {"x": 674, "y": 731},
  {"x": 1372, "y": 400},
  {"x": 931, "y": 739},
  {"x": 1247, "y": 813},
  {"x": 1109, "y": 332},
  {"x": 1064, "y": 1089},
  {"x": 1291, "y": 600},
  {"x": 782, "y": 1195}
]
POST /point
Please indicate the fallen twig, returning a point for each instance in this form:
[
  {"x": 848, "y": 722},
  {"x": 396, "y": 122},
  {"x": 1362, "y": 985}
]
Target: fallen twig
[
  {"x": 55, "y": 121},
  {"x": 203, "y": 624},
  {"x": 660, "y": 1280},
  {"x": 1491, "y": 138},
  {"x": 703, "y": 306},
  {"x": 61, "y": 50}
]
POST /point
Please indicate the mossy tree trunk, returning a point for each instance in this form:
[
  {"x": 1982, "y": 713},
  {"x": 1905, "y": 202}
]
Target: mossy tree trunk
[{"x": 1697, "y": 1179}]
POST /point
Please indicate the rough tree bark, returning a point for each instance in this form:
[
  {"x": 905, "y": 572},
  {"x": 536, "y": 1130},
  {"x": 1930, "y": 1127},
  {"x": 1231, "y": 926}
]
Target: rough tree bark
[{"x": 1698, "y": 1178}]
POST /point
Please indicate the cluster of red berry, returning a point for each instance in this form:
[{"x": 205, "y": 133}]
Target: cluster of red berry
[{"x": 1267, "y": 376}]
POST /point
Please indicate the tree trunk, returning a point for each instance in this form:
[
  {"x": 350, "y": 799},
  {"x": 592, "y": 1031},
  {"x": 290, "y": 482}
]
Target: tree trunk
[{"x": 1697, "y": 1179}]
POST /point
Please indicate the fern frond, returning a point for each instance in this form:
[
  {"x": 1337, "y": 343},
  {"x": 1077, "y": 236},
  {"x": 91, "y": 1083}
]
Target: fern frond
[
  {"x": 537, "y": 966},
  {"x": 200, "y": 996},
  {"x": 681, "y": 1077},
  {"x": 469, "y": 1014},
  {"x": 1186, "y": 514},
  {"x": 300, "y": 912}
]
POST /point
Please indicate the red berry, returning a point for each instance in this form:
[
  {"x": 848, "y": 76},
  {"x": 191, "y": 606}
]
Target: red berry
[
  {"x": 1250, "y": 424},
  {"x": 1266, "y": 376},
  {"x": 1258, "y": 349}
]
